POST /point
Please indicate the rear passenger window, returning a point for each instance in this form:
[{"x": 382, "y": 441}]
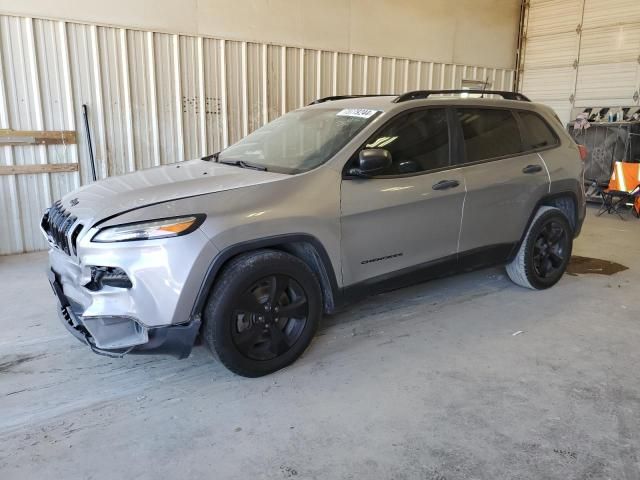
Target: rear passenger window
[
  {"x": 418, "y": 141},
  {"x": 489, "y": 133},
  {"x": 536, "y": 132}
]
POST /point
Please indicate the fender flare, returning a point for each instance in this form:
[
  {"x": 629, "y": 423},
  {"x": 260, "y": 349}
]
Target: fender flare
[
  {"x": 328, "y": 278},
  {"x": 543, "y": 201}
]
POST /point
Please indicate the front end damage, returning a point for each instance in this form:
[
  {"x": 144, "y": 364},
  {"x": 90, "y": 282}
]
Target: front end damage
[{"x": 126, "y": 297}]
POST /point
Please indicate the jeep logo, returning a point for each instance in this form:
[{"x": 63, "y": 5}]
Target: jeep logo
[{"x": 74, "y": 202}]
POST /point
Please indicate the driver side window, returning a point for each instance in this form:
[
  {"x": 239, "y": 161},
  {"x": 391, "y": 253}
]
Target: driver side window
[{"x": 418, "y": 141}]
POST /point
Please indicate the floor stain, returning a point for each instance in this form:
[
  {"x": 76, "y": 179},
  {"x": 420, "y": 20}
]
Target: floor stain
[
  {"x": 582, "y": 265},
  {"x": 8, "y": 362}
]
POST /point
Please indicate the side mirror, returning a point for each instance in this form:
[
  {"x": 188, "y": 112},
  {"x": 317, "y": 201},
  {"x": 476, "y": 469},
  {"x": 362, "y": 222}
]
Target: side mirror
[{"x": 372, "y": 161}]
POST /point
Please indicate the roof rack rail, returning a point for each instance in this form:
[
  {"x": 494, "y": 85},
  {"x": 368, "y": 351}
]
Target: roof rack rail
[
  {"x": 343, "y": 97},
  {"x": 422, "y": 94}
]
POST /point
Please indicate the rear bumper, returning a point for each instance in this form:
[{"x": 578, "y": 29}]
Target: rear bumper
[
  {"x": 582, "y": 213},
  {"x": 118, "y": 336}
]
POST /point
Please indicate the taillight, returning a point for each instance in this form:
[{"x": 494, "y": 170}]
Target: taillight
[{"x": 583, "y": 152}]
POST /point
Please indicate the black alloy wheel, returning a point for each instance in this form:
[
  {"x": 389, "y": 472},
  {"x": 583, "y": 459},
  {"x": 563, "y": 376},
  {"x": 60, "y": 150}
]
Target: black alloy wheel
[
  {"x": 550, "y": 249},
  {"x": 269, "y": 317}
]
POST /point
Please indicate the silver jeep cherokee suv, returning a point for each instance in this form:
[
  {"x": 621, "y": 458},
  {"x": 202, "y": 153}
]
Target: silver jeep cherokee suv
[{"x": 346, "y": 197}]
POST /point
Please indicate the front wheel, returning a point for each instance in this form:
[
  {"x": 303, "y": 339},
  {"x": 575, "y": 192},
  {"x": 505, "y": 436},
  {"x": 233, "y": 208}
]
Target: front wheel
[
  {"x": 262, "y": 312},
  {"x": 545, "y": 251}
]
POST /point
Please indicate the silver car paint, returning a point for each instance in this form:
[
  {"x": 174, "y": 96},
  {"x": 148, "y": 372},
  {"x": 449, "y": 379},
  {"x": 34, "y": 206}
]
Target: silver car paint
[
  {"x": 500, "y": 199},
  {"x": 393, "y": 223},
  {"x": 355, "y": 220}
]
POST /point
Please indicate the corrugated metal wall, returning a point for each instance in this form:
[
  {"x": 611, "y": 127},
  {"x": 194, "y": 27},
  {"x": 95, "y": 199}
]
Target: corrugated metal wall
[{"x": 157, "y": 98}]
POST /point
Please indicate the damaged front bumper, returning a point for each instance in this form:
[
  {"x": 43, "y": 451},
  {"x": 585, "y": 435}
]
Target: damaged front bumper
[{"x": 118, "y": 335}]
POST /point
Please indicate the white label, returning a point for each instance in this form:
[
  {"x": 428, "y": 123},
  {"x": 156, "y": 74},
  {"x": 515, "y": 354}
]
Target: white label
[{"x": 356, "y": 112}]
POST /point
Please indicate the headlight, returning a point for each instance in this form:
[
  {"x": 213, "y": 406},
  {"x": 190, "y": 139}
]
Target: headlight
[{"x": 163, "y": 228}]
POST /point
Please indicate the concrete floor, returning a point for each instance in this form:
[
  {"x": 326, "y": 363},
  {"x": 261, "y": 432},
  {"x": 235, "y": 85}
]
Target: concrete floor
[{"x": 425, "y": 383}]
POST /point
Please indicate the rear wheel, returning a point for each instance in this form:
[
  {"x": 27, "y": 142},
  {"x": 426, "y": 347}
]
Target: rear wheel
[
  {"x": 262, "y": 312},
  {"x": 545, "y": 252}
]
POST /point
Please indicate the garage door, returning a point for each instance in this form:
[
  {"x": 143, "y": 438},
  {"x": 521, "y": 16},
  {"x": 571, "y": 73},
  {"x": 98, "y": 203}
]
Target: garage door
[{"x": 581, "y": 53}]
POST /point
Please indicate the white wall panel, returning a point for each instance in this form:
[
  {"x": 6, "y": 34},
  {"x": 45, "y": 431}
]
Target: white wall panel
[
  {"x": 276, "y": 81},
  {"x": 214, "y": 114},
  {"x": 191, "y": 63},
  {"x": 146, "y": 152},
  {"x": 157, "y": 98},
  {"x": 168, "y": 97}
]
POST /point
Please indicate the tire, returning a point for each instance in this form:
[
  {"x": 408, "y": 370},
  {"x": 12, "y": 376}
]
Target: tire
[
  {"x": 531, "y": 266},
  {"x": 262, "y": 312}
]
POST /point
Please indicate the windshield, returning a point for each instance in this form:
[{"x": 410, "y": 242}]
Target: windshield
[{"x": 300, "y": 140}]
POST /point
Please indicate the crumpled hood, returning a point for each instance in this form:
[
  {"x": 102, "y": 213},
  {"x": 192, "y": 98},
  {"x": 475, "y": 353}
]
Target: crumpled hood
[{"x": 114, "y": 195}]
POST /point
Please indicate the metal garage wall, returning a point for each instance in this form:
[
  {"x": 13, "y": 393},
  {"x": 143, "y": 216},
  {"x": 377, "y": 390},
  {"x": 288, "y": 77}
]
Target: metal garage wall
[
  {"x": 157, "y": 98},
  {"x": 581, "y": 53}
]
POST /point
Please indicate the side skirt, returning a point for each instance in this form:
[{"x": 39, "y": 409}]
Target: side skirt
[{"x": 447, "y": 266}]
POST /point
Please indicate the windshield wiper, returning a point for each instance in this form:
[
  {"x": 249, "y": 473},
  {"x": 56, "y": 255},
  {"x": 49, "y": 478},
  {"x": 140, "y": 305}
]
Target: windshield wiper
[
  {"x": 213, "y": 156},
  {"x": 243, "y": 164}
]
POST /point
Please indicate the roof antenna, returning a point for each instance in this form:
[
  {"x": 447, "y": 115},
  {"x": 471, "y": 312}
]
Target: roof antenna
[{"x": 484, "y": 87}]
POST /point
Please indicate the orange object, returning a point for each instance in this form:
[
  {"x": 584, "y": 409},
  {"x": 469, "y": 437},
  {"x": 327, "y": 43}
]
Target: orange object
[{"x": 626, "y": 178}]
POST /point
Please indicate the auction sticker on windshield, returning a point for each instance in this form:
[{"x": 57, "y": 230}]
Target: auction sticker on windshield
[{"x": 356, "y": 112}]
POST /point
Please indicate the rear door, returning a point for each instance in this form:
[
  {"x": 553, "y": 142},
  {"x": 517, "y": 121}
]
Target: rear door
[
  {"x": 408, "y": 216},
  {"x": 505, "y": 177}
]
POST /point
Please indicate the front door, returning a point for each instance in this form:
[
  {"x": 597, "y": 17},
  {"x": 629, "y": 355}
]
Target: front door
[{"x": 408, "y": 216}]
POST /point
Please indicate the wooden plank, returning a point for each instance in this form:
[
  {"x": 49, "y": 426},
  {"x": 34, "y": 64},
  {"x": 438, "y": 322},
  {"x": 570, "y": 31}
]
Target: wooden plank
[
  {"x": 38, "y": 168},
  {"x": 37, "y": 137}
]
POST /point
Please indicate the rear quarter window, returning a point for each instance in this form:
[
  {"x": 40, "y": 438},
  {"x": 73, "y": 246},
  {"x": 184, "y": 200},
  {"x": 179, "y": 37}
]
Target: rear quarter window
[
  {"x": 536, "y": 133},
  {"x": 489, "y": 133}
]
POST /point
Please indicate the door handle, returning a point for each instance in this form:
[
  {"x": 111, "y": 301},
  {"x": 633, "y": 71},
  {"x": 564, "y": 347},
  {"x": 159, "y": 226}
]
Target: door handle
[
  {"x": 532, "y": 169},
  {"x": 444, "y": 184}
]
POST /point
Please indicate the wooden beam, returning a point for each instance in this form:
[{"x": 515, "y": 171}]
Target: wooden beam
[
  {"x": 38, "y": 168},
  {"x": 37, "y": 137}
]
